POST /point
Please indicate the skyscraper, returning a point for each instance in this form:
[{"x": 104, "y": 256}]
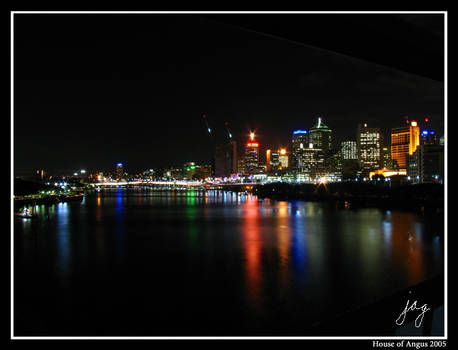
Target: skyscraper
[
  {"x": 226, "y": 159},
  {"x": 272, "y": 160},
  {"x": 404, "y": 142},
  {"x": 283, "y": 159},
  {"x": 349, "y": 150},
  {"x": 320, "y": 136},
  {"x": 370, "y": 144},
  {"x": 252, "y": 155},
  {"x": 319, "y": 150},
  {"x": 119, "y": 171},
  {"x": 299, "y": 142}
]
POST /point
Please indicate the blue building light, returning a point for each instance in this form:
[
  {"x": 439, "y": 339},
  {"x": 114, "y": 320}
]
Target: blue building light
[
  {"x": 425, "y": 132},
  {"x": 432, "y": 132},
  {"x": 299, "y": 132},
  {"x": 119, "y": 164}
]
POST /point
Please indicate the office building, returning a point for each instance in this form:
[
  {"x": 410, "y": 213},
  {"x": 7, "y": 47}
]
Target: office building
[
  {"x": 226, "y": 159},
  {"x": 252, "y": 155},
  {"x": 369, "y": 144},
  {"x": 404, "y": 142},
  {"x": 349, "y": 150}
]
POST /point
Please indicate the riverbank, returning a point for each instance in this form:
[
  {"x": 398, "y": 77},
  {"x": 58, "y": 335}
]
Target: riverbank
[
  {"x": 22, "y": 201},
  {"x": 420, "y": 197}
]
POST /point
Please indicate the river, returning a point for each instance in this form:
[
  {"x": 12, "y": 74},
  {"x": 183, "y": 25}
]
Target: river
[{"x": 136, "y": 262}]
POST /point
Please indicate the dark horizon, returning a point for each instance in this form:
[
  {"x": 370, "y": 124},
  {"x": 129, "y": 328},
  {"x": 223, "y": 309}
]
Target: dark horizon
[{"x": 93, "y": 90}]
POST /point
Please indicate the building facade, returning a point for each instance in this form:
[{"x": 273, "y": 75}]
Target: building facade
[
  {"x": 404, "y": 142},
  {"x": 252, "y": 155},
  {"x": 226, "y": 159},
  {"x": 349, "y": 150},
  {"x": 369, "y": 144}
]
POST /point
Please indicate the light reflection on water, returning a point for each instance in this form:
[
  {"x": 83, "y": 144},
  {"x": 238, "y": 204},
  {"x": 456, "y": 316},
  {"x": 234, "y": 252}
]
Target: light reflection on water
[{"x": 276, "y": 257}]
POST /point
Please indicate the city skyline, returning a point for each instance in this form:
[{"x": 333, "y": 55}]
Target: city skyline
[
  {"x": 230, "y": 175},
  {"x": 117, "y": 107}
]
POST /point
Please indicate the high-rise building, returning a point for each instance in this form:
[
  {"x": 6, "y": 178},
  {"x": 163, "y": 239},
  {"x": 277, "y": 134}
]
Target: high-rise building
[
  {"x": 189, "y": 169},
  {"x": 241, "y": 165},
  {"x": 283, "y": 159},
  {"x": 369, "y": 144},
  {"x": 311, "y": 151},
  {"x": 429, "y": 137},
  {"x": 252, "y": 155},
  {"x": 320, "y": 136},
  {"x": 299, "y": 142},
  {"x": 404, "y": 142},
  {"x": 426, "y": 164},
  {"x": 349, "y": 150},
  {"x": 226, "y": 159},
  {"x": 268, "y": 155},
  {"x": 119, "y": 171},
  {"x": 349, "y": 165},
  {"x": 388, "y": 162},
  {"x": 272, "y": 160}
]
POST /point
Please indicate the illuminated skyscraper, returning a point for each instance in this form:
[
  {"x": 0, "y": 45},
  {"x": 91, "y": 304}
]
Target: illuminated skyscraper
[
  {"x": 299, "y": 142},
  {"x": 252, "y": 155},
  {"x": 404, "y": 142},
  {"x": 388, "y": 162},
  {"x": 369, "y": 143},
  {"x": 349, "y": 150},
  {"x": 310, "y": 151},
  {"x": 272, "y": 160},
  {"x": 319, "y": 150},
  {"x": 283, "y": 159},
  {"x": 119, "y": 171},
  {"x": 320, "y": 136}
]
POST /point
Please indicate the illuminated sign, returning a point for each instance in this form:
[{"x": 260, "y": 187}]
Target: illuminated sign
[
  {"x": 296, "y": 132},
  {"x": 252, "y": 144}
]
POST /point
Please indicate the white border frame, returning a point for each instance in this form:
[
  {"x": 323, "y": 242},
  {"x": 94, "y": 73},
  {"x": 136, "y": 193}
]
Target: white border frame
[{"x": 393, "y": 338}]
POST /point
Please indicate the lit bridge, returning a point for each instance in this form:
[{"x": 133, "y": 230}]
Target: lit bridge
[{"x": 178, "y": 185}]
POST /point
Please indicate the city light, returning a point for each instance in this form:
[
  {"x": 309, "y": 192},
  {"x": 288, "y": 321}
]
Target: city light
[
  {"x": 252, "y": 136},
  {"x": 283, "y": 151},
  {"x": 413, "y": 123},
  {"x": 296, "y": 132}
]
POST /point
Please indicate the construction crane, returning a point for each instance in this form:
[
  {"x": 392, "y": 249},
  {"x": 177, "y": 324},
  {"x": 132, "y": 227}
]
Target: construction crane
[
  {"x": 228, "y": 131},
  {"x": 204, "y": 116}
]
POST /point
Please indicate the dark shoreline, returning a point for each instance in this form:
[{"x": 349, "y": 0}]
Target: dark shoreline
[
  {"x": 424, "y": 198},
  {"x": 19, "y": 203}
]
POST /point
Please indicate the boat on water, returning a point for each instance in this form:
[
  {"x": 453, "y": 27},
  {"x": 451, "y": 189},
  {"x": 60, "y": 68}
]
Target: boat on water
[{"x": 25, "y": 213}]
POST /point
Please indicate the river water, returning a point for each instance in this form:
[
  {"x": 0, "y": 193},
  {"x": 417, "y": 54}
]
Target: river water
[{"x": 136, "y": 262}]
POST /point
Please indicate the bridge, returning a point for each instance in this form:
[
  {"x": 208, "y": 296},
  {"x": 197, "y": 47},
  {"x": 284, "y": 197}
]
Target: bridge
[{"x": 247, "y": 186}]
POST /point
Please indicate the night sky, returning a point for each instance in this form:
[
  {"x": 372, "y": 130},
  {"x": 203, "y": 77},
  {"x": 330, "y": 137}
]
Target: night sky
[{"x": 93, "y": 90}]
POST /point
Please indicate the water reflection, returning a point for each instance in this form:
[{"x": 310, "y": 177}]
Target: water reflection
[
  {"x": 119, "y": 229},
  {"x": 270, "y": 258},
  {"x": 405, "y": 247},
  {"x": 252, "y": 244},
  {"x": 63, "y": 242}
]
